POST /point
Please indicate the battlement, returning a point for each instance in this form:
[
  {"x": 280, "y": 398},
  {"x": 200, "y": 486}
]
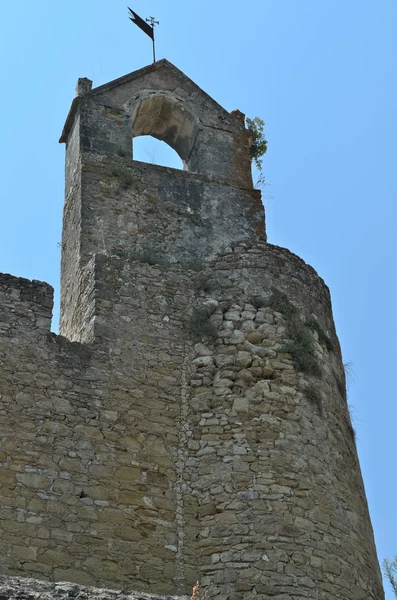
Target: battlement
[{"x": 25, "y": 303}]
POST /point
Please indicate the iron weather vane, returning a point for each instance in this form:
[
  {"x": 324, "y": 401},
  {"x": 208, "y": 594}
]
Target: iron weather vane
[{"x": 147, "y": 26}]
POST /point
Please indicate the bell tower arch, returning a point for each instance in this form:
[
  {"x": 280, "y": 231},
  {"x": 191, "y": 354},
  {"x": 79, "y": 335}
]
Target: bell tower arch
[{"x": 164, "y": 117}]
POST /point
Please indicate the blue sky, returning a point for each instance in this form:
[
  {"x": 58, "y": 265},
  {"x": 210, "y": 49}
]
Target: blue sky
[{"x": 321, "y": 73}]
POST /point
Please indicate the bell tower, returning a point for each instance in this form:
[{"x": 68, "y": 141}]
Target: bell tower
[
  {"x": 114, "y": 203},
  {"x": 191, "y": 420}
]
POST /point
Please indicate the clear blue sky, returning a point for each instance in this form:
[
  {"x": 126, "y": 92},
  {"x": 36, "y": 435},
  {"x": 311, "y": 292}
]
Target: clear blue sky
[{"x": 321, "y": 73}]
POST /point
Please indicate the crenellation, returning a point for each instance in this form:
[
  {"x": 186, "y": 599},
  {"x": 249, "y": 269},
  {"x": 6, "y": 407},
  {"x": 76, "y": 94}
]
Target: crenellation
[{"x": 191, "y": 422}]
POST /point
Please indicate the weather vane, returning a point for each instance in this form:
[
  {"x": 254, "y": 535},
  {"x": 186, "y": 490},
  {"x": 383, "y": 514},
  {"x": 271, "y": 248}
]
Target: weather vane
[{"x": 147, "y": 26}]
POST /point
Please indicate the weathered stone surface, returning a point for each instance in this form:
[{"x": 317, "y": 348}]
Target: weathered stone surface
[
  {"x": 243, "y": 359},
  {"x": 168, "y": 436},
  {"x": 16, "y": 588},
  {"x": 255, "y": 337}
]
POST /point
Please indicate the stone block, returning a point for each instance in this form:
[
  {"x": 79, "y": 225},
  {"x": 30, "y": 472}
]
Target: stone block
[
  {"x": 128, "y": 474},
  {"x": 24, "y": 553},
  {"x": 241, "y": 404},
  {"x": 255, "y": 337}
]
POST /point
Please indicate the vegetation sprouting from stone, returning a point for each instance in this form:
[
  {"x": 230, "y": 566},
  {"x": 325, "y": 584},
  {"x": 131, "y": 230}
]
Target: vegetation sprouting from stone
[
  {"x": 257, "y": 301},
  {"x": 348, "y": 369},
  {"x": 301, "y": 342},
  {"x": 122, "y": 174},
  {"x": 301, "y": 346},
  {"x": 323, "y": 338},
  {"x": 341, "y": 380},
  {"x": 199, "y": 325},
  {"x": 390, "y": 571},
  {"x": 126, "y": 179},
  {"x": 203, "y": 283},
  {"x": 279, "y": 302},
  {"x": 258, "y": 144},
  {"x": 314, "y": 397},
  {"x": 258, "y": 141}
]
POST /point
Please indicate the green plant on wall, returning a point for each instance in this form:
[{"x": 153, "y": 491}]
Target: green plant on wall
[
  {"x": 258, "y": 148},
  {"x": 390, "y": 570},
  {"x": 301, "y": 342},
  {"x": 199, "y": 324}
]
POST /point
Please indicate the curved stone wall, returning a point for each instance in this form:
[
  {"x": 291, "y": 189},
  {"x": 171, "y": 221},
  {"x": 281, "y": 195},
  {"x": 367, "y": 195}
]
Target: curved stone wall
[
  {"x": 203, "y": 433},
  {"x": 272, "y": 457}
]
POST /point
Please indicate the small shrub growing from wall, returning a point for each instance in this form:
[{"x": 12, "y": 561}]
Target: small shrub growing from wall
[
  {"x": 301, "y": 346},
  {"x": 301, "y": 342},
  {"x": 123, "y": 175},
  {"x": 390, "y": 570},
  {"x": 199, "y": 324},
  {"x": 257, "y": 301},
  {"x": 314, "y": 397},
  {"x": 204, "y": 284},
  {"x": 323, "y": 338},
  {"x": 280, "y": 303}
]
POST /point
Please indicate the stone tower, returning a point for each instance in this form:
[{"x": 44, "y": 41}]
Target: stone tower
[{"x": 190, "y": 420}]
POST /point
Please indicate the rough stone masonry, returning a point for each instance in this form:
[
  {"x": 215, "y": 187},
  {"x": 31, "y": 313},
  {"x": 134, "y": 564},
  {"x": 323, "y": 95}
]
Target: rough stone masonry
[{"x": 190, "y": 421}]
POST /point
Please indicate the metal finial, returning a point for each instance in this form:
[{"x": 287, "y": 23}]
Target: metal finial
[{"x": 152, "y": 21}]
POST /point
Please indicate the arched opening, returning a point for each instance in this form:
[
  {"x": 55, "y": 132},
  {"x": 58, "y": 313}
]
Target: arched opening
[
  {"x": 148, "y": 149},
  {"x": 165, "y": 118}
]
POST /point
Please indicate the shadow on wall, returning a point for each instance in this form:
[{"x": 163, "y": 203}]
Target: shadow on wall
[{"x": 146, "y": 148}]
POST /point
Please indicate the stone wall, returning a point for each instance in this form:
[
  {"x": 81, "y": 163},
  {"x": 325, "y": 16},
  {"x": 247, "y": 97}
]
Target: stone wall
[
  {"x": 113, "y": 203},
  {"x": 162, "y": 101},
  {"x": 15, "y": 588},
  {"x": 155, "y": 455},
  {"x": 191, "y": 421}
]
